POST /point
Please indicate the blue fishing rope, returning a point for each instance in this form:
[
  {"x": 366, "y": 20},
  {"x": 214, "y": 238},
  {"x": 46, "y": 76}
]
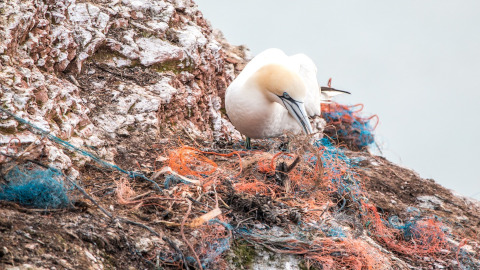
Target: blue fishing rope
[
  {"x": 67, "y": 145},
  {"x": 37, "y": 188}
]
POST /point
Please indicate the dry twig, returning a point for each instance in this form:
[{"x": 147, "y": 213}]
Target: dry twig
[{"x": 185, "y": 238}]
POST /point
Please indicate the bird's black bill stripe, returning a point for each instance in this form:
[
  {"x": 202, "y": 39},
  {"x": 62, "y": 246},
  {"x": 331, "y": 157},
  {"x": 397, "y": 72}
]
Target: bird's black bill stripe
[
  {"x": 297, "y": 115},
  {"x": 329, "y": 89},
  {"x": 289, "y": 98},
  {"x": 297, "y": 112}
]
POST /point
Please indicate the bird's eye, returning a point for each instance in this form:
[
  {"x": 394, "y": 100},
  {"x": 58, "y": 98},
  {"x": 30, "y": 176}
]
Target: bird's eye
[{"x": 286, "y": 95}]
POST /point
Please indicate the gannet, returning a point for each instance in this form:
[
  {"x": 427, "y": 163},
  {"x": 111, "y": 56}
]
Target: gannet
[{"x": 274, "y": 94}]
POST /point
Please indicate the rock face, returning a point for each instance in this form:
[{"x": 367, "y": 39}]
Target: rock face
[
  {"x": 133, "y": 82},
  {"x": 101, "y": 72}
]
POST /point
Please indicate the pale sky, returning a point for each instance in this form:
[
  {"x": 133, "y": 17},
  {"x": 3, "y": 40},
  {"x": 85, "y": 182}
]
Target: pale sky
[{"x": 416, "y": 64}]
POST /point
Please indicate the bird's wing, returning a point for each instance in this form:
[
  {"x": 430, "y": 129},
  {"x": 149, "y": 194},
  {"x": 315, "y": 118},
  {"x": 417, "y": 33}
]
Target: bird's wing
[{"x": 307, "y": 70}]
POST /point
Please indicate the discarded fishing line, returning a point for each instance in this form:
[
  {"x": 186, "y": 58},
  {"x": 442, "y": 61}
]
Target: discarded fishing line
[
  {"x": 310, "y": 203},
  {"x": 420, "y": 236},
  {"x": 346, "y": 125},
  {"x": 78, "y": 150},
  {"x": 42, "y": 188}
]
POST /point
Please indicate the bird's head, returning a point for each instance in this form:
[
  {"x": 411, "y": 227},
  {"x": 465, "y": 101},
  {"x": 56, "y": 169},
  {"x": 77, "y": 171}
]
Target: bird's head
[{"x": 284, "y": 86}]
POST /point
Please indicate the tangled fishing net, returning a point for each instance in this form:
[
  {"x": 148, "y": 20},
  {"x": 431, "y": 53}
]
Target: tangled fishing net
[
  {"x": 36, "y": 187},
  {"x": 347, "y": 126},
  {"x": 311, "y": 189},
  {"x": 310, "y": 203}
]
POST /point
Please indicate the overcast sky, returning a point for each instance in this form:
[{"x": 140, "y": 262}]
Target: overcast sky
[{"x": 416, "y": 64}]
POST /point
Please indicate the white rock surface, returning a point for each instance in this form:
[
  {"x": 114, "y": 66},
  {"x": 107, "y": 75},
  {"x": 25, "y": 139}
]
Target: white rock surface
[{"x": 41, "y": 40}]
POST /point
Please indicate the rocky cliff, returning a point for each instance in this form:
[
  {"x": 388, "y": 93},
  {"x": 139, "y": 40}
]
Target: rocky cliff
[{"x": 102, "y": 103}]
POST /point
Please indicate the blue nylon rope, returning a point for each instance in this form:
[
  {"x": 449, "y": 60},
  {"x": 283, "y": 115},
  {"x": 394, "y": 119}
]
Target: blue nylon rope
[{"x": 67, "y": 145}]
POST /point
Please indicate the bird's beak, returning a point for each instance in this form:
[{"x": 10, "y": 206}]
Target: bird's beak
[
  {"x": 327, "y": 93},
  {"x": 297, "y": 110}
]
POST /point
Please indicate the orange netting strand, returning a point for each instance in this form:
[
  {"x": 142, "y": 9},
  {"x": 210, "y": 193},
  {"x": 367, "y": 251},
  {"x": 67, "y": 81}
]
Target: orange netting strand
[
  {"x": 327, "y": 253},
  {"x": 304, "y": 177},
  {"x": 325, "y": 172},
  {"x": 376, "y": 122},
  {"x": 360, "y": 105},
  {"x": 125, "y": 192},
  {"x": 188, "y": 161},
  {"x": 266, "y": 167},
  {"x": 345, "y": 124},
  {"x": 310, "y": 183},
  {"x": 253, "y": 186},
  {"x": 212, "y": 236},
  {"x": 126, "y": 195},
  {"x": 347, "y": 117},
  {"x": 357, "y": 255},
  {"x": 427, "y": 236}
]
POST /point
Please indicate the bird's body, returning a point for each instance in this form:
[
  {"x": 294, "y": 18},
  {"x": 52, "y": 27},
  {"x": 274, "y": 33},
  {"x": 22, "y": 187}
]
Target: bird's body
[
  {"x": 257, "y": 117},
  {"x": 274, "y": 94}
]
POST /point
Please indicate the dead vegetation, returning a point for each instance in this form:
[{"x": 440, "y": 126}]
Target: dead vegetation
[
  {"x": 174, "y": 187},
  {"x": 350, "y": 212}
]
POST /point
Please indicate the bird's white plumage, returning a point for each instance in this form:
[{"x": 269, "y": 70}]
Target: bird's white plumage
[
  {"x": 307, "y": 70},
  {"x": 256, "y": 116}
]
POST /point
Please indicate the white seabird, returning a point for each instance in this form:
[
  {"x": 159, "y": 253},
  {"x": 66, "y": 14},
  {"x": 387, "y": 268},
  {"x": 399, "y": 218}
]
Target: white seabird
[{"x": 274, "y": 94}]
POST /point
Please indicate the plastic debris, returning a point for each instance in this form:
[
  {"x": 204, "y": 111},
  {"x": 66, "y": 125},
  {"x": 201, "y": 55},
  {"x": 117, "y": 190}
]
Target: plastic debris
[{"x": 36, "y": 187}]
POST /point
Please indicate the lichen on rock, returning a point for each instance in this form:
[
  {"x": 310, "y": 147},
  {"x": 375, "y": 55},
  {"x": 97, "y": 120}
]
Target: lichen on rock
[
  {"x": 131, "y": 80},
  {"x": 159, "y": 57}
]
